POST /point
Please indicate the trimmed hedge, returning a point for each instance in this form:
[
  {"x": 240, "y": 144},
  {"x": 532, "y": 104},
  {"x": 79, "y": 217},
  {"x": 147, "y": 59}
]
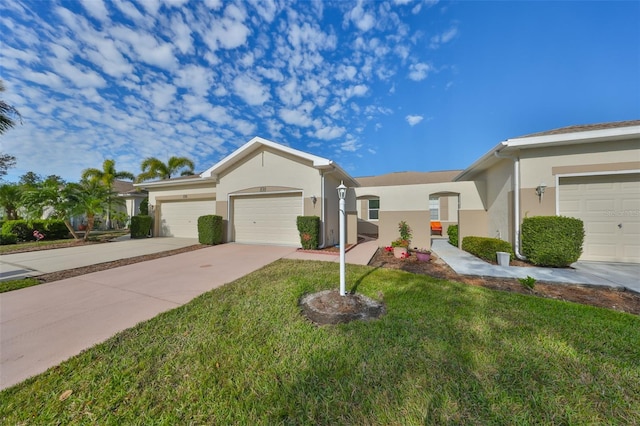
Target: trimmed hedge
[
  {"x": 6, "y": 239},
  {"x": 452, "y": 232},
  {"x": 140, "y": 226},
  {"x": 552, "y": 240},
  {"x": 486, "y": 248},
  {"x": 22, "y": 230},
  {"x": 309, "y": 228},
  {"x": 210, "y": 229}
]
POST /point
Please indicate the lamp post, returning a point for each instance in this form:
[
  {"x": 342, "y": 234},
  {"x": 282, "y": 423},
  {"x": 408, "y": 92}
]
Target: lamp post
[{"x": 342, "y": 195}]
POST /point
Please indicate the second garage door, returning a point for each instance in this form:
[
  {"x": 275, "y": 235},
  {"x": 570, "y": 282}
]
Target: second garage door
[
  {"x": 267, "y": 219},
  {"x": 180, "y": 218},
  {"x": 609, "y": 206}
]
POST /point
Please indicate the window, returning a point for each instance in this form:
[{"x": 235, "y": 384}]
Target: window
[
  {"x": 374, "y": 208},
  {"x": 434, "y": 208}
]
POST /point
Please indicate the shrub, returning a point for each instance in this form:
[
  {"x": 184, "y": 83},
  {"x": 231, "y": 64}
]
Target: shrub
[
  {"x": 210, "y": 229},
  {"x": 552, "y": 240},
  {"x": 140, "y": 226},
  {"x": 7, "y": 238},
  {"x": 528, "y": 282},
  {"x": 486, "y": 248},
  {"x": 19, "y": 228},
  {"x": 144, "y": 207},
  {"x": 309, "y": 229},
  {"x": 55, "y": 229},
  {"x": 452, "y": 232}
]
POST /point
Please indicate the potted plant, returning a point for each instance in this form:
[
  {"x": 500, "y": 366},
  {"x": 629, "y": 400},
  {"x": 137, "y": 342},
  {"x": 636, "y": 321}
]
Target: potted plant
[
  {"x": 401, "y": 245},
  {"x": 400, "y": 248},
  {"x": 423, "y": 255}
]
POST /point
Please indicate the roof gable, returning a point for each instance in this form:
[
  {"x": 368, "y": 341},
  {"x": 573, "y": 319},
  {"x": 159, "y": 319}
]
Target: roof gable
[{"x": 255, "y": 144}]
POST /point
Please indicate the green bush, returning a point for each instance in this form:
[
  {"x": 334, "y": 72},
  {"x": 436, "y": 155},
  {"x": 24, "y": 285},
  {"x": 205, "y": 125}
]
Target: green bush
[
  {"x": 7, "y": 238},
  {"x": 552, "y": 240},
  {"x": 452, "y": 232},
  {"x": 55, "y": 229},
  {"x": 140, "y": 226},
  {"x": 144, "y": 207},
  {"x": 486, "y": 248},
  {"x": 210, "y": 229},
  {"x": 309, "y": 228},
  {"x": 19, "y": 228}
]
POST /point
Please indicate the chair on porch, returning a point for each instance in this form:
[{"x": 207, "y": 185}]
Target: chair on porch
[{"x": 436, "y": 227}]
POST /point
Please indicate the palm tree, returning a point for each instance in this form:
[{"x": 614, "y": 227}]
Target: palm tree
[
  {"x": 152, "y": 168},
  {"x": 56, "y": 196},
  {"x": 10, "y": 200},
  {"x": 90, "y": 197},
  {"x": 107, "y": 176},
  {"x": 8, "y": 114}
]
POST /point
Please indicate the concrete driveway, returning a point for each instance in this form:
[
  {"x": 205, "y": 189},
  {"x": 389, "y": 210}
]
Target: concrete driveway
[
  {"x": 34, "y": 263},
  {"x": 42, "y": 326}
]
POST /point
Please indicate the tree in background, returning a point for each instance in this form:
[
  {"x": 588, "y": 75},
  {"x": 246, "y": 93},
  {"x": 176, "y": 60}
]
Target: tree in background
[
  {"x": 10, "y": 200},
  {"x": 8, "y": 117},
  {"x": 152, "y": 168},
  {"x": 89, "y": 198},
  {"x": 106, "y": 177}
]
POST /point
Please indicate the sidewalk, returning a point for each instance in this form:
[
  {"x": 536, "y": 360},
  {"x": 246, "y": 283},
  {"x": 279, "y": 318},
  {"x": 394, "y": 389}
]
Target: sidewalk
[
  {"x": 361, "y": 254},
  {"x": 34, "y": 263},
  {"x": 589, "y": 273}
]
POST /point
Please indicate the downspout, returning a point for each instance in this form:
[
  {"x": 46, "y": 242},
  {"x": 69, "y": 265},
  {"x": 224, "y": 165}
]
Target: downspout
[{"x": 516, "y": 202}]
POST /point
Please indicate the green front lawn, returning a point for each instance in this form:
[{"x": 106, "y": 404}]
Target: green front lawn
[{"x": 445, "y": 353}]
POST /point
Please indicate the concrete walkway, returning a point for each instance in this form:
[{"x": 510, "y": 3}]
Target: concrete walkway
[
  {"x": 615, "y": 275},
  {"x": 359, "y": 255},
  {"x": 43, "y": 325},
  {"x": 34, "y": 263}
]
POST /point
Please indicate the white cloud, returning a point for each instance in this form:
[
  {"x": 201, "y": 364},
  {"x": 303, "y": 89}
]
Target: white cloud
[
  {"x": 266, "y": 9},
  {"x": 289, "y": 93},
  {"x": 414, "y": 119},
  {"x": 250, "y": 90},
  {"x": 419, "y": 71},
  {"x": 96, "y": 8},
  {"x": 350, "y": 145},
  {"x": 329, "y": 132},
  {"x": 364, "y": 21},
  {"x": 181, "y": 34},
  {"x": 228, "y": 32},
  {"x": 195, "y": 77},
  {"x": 296, "y": 117},
  {"x": 147, "y": 47},
  {"x": 445, "y": 37}
]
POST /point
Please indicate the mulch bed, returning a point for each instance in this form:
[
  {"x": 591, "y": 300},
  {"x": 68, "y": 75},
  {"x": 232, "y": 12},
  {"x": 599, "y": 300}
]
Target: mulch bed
[{"x": 619, "y": 300}]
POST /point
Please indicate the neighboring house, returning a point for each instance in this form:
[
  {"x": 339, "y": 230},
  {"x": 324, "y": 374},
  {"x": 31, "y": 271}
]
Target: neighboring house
[
  {"x": 259, "y": 190},
  {"x": 591, "y": 172},
  {"x": 132, "y": 197}
]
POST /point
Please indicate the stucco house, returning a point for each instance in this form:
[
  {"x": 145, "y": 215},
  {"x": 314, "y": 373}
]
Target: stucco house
[
  {"x": 259, "y": 190},
  {"x": 591, "y": 172}
]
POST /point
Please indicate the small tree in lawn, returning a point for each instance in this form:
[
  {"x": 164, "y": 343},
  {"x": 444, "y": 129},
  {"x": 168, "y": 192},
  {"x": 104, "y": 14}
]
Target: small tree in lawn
[
  {"x": 107, "y": 176},
  {"x": 90, "y": 198}
]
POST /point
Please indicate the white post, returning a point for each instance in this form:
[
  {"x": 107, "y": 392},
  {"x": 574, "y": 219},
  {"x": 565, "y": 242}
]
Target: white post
[{"x": 342, "y": 191}]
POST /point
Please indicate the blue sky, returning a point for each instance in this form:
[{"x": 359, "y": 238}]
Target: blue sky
[{"x": 377, "y": 87}]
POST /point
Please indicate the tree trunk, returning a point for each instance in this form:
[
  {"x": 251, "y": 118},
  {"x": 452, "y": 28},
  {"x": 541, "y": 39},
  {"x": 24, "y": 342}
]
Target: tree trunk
[
  {"x": 90, "y": 220},
  {"x": 70, "y": 228}
]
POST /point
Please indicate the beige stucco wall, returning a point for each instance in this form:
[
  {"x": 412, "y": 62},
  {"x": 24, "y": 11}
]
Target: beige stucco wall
[
  {"x": 472, "y": 223},
  {"x": 541, "y": 166},
  {"x": 206, "y": 188},
  {"x": 412, "y": 201}
]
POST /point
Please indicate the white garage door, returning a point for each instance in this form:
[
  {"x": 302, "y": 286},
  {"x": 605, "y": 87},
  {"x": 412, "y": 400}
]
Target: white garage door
[
  {"x": 609, "y": 206},
  {"x": 267, "y": 219},
  {"x": 180, "y": 218}
]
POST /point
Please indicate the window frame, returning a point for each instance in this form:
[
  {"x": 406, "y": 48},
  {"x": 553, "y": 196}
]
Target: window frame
[
  {"x": 433, "y": 200},
  {"x": 369, "y": 210}
]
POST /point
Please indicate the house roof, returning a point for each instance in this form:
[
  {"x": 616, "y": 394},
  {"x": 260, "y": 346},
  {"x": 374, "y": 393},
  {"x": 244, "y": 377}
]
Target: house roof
[
  {"x": 211, "y": 174},
  {"x": 408, "y": 178},
  {"x": 258, "y": 142},
  {"x": 126, "y": 188},
  {"x": 571, "y": 135}
]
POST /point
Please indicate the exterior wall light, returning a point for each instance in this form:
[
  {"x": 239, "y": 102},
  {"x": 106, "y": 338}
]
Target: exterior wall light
[{"x": 540, "y": 191}]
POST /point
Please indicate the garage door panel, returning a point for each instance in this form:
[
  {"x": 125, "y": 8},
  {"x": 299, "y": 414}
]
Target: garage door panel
[
  {"x": 180, "y": 218},
  {"x": 267, "y": 219},
  {"x": 602, "y": 203}
]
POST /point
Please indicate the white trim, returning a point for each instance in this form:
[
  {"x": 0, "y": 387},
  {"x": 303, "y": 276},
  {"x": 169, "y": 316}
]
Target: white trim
[
  {"x": 583, "y": 136},
  {"x": 586, "y": 174}
]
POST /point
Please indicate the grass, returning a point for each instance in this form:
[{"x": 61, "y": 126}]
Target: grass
[
  {"x": 13, "y": 247},
  {"x": 17, "y": 284},
  {"x": 445, "y": 353}
]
